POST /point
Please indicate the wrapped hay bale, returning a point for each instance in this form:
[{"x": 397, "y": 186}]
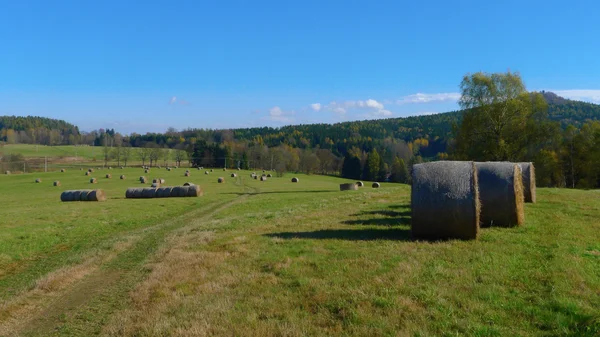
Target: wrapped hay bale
[
  {"x": 445, "y": 200},
  {"x": 529, "y": 186},
  {"x": 108, "y": 176},
  {"x": 56, "y": 183},
  {"x": 376, "y": 185},
  {"x": 233, "y": 175},
  {"x": 295, "y": 180},
  {"x": 38, "y": 180},
  {"x": 93, "y": 181},
  {"x": 194, "y": 191},
  {"x": 500, "y": 194},
  {"x": 148, "y": 192},
  {"x": 263, "y": 178},
  {"x": 179, "y": 191},
  {"x": 348, "y": 187},
  {"x": 83, "y": 195},
  {"x": 360, "y": 184},
  {"x": 221, "y": 180},
  {"x": 122, "y": 177},
  {"x": 163, "y": 192},
  {"x": 255, "y": 177}
]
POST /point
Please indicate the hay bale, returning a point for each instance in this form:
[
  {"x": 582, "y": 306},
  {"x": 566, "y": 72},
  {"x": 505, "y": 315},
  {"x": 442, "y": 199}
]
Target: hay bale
[
  {"x": 376, "y": 185},
  {"x": 179, "y": 191},
  {"x": 224, "y": 169},
  {"x": 62, "y": 170},
  {"x": 143, "y": 179},
  {"x": 122, "y": 177},
  {"x": 146, "y": 171},
  {"x": 221, "y": 180},
  {"x": 233, "y": 175},
  {"x": 56, "y": 183},
  {"x": 155, "y": 185},
  {"x": 360, "y": 184},
  {"x": 263, "y": 178},
  {"x": 187, "y": 174},
  {"x": 108, "y": 176},
  {"x": 90, "y": 170},
  {"x": 148, "y": 192},
  {"x": 83, "y": 195},
  {"x": 239, "y": 169},
  {"x": 194, "y": 191},
  {"x": 169, "y": 169},
  {"x": 96, "y": 195},
  {"x": 38, "y": 180},
  {"x": 269, "y": 175},
  {"x": 211, "y": 170},
  {"x": 445, "y": 200},
  {"x": 6, "y": 172},
  {"x": 199, "y": 168},
  {"x": 348, "y": 187},
  {"x": 162, "y": 192},
  {"x": 529, "y": 186},
  {"x": 188, "y": 184},
  {"x": 121, "y": 167},
  {"x": 87, "y": 173},
  {"x": 295, "y": 180},
  {"x": 501, "y": 194},
  {"x": 255, "y": 177},
  {"x": 110, "y": 168},
  {"x": 93, "y": 181},
  {"x": 205, "y": 172}
]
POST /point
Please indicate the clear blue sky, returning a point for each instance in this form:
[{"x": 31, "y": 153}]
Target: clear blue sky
[{"x": 148, "y": 65}]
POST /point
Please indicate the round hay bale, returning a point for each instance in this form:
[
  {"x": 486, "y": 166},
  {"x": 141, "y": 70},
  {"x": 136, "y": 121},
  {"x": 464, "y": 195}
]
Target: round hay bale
[
  {"x": 179, "y": 191},
  {"x": 199, "y": 168},
  {"x": 269, "y": 175},
  {"x": 445, "y": 200},
  {"x": 194, "y": 191},
  {"x": 148, "y": 192},
  {"x": 239, "y": 169},
  {"x": 96, "y": 195},
  {"x": 108, "y": 176},
  {"x": 205, "y": 172},
  {"x": 188, "y": 184},
  {"x": 348, "y": 187},
  {"x": 224, "y": 169},
  {"x": 87, "y": 173},
  {"x": 256, "y": 177},
  {"x": 121, "y": 167},
  {"x": 90, "y": 170},
  {"x": 169, "y": 169},
  {"x": 221, "y": 180},
  {"x": 81, "y": 169},
  {"x": 143, "y": 179},
  {"x": 83, "y": 196},
  {"x": 122, "y": 177},
  {"x": 129, "y": 193},
  {"x": 233, "y": 175},
  {"x": 110, "y": 168},
  {"x": 360, "y": 184},
  {"x": 211, "y": 170},
  {"x": 295, "y": 180},
  {"x": 155, "y": 185},
  {"x": 187, "y": 171},
  {"x": 6, "y": 172},
  {"x": 56, "y": 183},
  {"x": 376, "y": 185},
  {"x": 529, "y": 186},
  {"x": 38, "y": 180},
  {"x": 263, "y": 178},
  {"x": 93, "y": 181},
  {"x": 500, "y": 194},
  {"x": 62, "y": 170},
  {"x": 187, "y": 174},
  {"x": 66, "y": 196},
  {"x": 146, "y": 171}
]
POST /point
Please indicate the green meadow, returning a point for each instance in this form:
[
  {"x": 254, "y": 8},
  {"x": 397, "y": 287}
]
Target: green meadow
[{"x": 277, "y": 258}]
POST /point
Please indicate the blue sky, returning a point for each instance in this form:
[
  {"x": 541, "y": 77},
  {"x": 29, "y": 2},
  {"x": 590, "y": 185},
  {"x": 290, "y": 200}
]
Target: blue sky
[{"x": 142, "y": 66}]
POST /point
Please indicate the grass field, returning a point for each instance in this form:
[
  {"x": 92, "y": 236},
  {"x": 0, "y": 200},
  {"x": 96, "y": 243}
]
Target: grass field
[
  {"x": 276, "y": 258},
  {"x": 82, "y": 152}
]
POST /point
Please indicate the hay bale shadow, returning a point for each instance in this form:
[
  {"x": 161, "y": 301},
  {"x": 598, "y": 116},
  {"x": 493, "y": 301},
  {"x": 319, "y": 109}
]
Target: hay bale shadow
[
  {"x": 385, "y": 222},
  {"x": 396, "y": 234},
  {"x": 384, "y": 212}
]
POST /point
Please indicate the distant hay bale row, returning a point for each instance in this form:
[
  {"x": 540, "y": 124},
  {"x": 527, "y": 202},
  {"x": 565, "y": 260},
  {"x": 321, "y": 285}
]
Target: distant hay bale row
[
  {"x": 83, "y": 195},
  {"x": 500, "y": 193},
  {"x": 445, "y": 200},
  {"x": 348, "y": 187},
  {"x": 164, "y": 192}
]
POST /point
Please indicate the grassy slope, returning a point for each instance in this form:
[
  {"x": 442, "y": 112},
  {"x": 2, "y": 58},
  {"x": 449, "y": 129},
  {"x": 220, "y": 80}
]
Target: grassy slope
[
  {"x": 278, "y": 258},
  {"x": 27, "y": 150}
]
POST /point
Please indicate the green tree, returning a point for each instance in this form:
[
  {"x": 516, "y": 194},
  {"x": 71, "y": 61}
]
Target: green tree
[
  {"x": 372, "y": 167},
  {"x": 351, "y": 167},
  {"x": 399, "y": 172},
  {"x": 500, "y": 119}
]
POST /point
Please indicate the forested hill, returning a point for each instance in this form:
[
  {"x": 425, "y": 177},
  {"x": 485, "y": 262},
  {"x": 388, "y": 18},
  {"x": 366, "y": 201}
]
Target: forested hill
[
  {"x": 568, "y": 112},
  {"x": 40, "y": 130}
]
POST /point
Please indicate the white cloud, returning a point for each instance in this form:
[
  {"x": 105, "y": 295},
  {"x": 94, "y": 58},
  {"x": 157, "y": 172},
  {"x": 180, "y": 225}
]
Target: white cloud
[
  {"x": 336, "y": 107},
  {"x": 316, "y": 106},
  {"x": 382, "y": 113},
  {"x": 428, "y": 98},
  {"x": 586, "y": 95},
  {"x": 173, "y": 100},
  {"x": 370, "y": 103},
  {"x": 275, "y": 111},
  {"x": 276, "y": 114}
]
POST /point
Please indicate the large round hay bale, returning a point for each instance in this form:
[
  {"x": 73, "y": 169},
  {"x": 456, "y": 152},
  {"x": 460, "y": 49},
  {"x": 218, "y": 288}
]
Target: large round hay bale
[
  {"x": 129, "y": 193},
  {"x": 38, "y": 180},
  {"x": 194, "y": 191},
  {"x": 360, "y": 184},
  {"x": 169, "y": 169},
  {"x": 66, "y": 196},
  {"x": 269, "y": 175},
  {"x": 143, "y": 179},
  {"x": 179, "y": 191},
  {"x": 187, "y": 174},
  {"x": 205, "y": 172},
  {"x": 110, "y": 168},
  {"x": 87, "y": 173},
  {"x": 501, "y": 194},
  {"x": 376, "y": 185},
  {"x": 295, "y": 180},
  {"x": 93, "y": 181},
  {"x": 239, "y": 169},
  {"x": 348, "y": 187},
  {"x": 56, "y": 183},
  {"x": 224, "y": 169},
  {"x": 255, "y": 177},
  {"x": 108, "y": 176},
  {"x": 529, "y": 186},
  {"x": 263, "y": 178},
  {"x": 96, "y": 195},
  {"x": 221, "y": 180},
  {"x": 6, "y": 172},
  {"x": 188, "y": 184},
  {"x": 122, "y": 177},
  {"x": 62, "y": 170},
  {"x": 90, "y": 170},
  {"x": 445, "y": 200},
  {"x": 233, "y": 175},
  {"x": 83, "y": 196},
  {"x": 146, "y": 171},
  {"x": 211, "y": 170},
  {"x": 148, "y": 192}
]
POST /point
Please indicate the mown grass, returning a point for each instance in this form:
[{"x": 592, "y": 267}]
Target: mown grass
[
  {"x": 277, "y": 258},
  {"x": 29, "y": 150}
]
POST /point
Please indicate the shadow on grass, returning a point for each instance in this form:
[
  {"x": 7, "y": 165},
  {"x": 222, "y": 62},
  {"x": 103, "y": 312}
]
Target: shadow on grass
[
  {"x": 348, "y": 234},
  {"x": 279, "y": 192},
  {"x": 402, "y": 206},
  {"x": 386, "y": 222},
  {"x": 384, "y": 213}
]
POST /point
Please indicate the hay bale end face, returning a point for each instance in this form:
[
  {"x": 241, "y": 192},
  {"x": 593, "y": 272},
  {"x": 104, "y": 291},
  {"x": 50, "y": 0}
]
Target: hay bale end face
[
  {"x": 221, "y": 180},
  {"x": 233, "y": 175},
  {"x": 445, "y": 200},
  {"x": 62, "y": 170},
  {"x": 376, "y": 185},
  {"x": 122, "y": 177},
  {"x": 93, "y": 181},
  {"x": 501, "y": 194},
  {"x": 348, "y": 187},
  {"x": 360, "y": 184},
  {"x": 295, "y": 180},
  {"x": 90, "y": 170},
  {"x": 38, "y": 180},
  {"x": 56, "y": 183},
  {"x": 87, "y": 173},
  {"x": 108, "y": 176},
  {"x": 529, "y": 186}
]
